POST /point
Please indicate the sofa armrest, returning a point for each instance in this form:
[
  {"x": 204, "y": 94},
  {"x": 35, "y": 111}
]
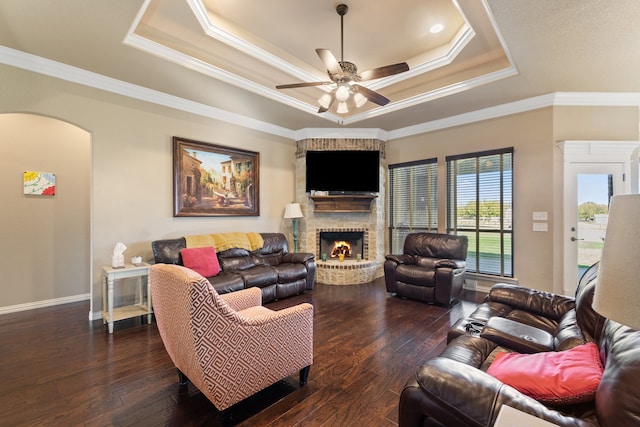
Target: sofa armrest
[
  {"x": 461, "y": 395},
  {"x": 243, "y": 299},
  {"x": 297, "y": 257},
  {"x": 401, "y": 259},
  {"x": 547, "y": 304},
  {"x": 451, "y": 263},
  {"x": 458, "y": 394}
]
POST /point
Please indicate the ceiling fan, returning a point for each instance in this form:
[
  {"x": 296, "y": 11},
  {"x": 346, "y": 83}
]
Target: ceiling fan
[{"x": 344, "y": 75}]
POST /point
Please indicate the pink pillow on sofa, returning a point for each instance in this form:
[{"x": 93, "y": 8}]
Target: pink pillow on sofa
[
  {"x": 557, "y": 377},
  {"x": 202, "y": 260}
]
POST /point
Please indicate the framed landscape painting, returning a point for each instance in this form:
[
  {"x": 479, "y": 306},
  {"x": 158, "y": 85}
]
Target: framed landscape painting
[{"x": 214, "y": 180}]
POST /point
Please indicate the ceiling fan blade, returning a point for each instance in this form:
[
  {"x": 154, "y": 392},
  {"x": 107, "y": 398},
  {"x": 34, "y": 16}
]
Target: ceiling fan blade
[
  {"x": 333, "y": 99},
  {"x": 329, "y": 61},
  {"x": 371, "y": 95},
  {"x": 385, "y": 71},
  {"x": 294, "y": 85}
]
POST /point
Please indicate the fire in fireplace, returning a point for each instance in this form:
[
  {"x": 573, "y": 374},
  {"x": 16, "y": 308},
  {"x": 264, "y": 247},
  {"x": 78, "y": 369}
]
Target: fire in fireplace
[
  {"x": 348, "y": 243},
  {"x": 341, "y": 248}
]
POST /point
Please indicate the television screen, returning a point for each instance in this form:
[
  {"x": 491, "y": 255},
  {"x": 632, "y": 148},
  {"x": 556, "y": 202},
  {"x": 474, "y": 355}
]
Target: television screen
[{"x": 343, "y": 171}]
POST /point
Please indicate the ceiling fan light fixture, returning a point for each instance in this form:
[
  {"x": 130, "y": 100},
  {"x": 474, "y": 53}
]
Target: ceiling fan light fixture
[
  {"x": 324, "y": 100},
  {"x": 344, "y": 75},
  {"x": 359, "y": 99},
  {"x": 343, "y": 92}
]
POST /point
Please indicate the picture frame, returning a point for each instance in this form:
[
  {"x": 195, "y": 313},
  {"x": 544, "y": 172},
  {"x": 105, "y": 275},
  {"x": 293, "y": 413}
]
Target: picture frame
[
  {"x": 39, "y": 183},
  {"x": 214, "y": 180}
]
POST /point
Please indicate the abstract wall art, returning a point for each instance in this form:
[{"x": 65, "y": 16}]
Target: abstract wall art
[{"x": 39, "y": 183}]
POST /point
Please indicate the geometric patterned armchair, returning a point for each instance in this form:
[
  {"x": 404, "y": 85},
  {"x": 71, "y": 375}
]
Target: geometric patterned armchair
[{"x": 229, "y": 346}]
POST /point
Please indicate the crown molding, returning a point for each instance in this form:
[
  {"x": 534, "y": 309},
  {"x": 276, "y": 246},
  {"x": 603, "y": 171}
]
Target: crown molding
[
  {"x": 207, "y": 69},
  {"x": 48, "y": 67},
  {"x": 346, "y": 133},
  {"x": 37, "y": 64},
  {"x": 238, "y": 43},
  {"x": 432, "y": 95},
  {"x": 516, "y": 107},
  {"x": 597, "y": 99}
]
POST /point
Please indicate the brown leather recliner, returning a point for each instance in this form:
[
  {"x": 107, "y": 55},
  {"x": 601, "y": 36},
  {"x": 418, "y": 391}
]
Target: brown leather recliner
[
  {"x": 455, "y": 389},
  {"x": 432, "y": 268}
]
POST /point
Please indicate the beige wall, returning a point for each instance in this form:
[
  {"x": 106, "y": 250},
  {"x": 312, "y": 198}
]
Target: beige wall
[
  {"x": 45, "y": 240},
  {"x": 132, "y": 171},
  {"x": 538, "y": 179},
  {"x": 585, "y": 123},
  {"x": 530, "y": 135}
]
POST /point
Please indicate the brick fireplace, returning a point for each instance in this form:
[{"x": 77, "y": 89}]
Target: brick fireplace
[{"x": 369, "y": 222}]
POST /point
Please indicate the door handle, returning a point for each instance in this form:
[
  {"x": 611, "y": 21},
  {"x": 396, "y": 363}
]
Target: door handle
[{"x": 573, "y": 239}]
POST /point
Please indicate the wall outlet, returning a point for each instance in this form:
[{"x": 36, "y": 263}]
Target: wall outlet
[{"x": 470, "y": 284}]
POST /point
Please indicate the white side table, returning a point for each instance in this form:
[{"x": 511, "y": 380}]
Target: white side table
[
  {"x": 142, "y": 307},
  {"x": 511, "y": 417}
]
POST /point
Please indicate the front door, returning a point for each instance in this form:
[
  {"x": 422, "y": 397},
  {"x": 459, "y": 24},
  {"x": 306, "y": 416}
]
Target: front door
[{"x": 589, "y": 190}]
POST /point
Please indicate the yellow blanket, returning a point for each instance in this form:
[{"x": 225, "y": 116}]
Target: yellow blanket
[
  {"x": 223, "y": 241},
  {"x": 200, "y": 241}
]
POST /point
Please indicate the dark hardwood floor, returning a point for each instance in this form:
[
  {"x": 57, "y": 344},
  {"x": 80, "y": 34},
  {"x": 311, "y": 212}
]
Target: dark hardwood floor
[{"x": 60, "y": 369}]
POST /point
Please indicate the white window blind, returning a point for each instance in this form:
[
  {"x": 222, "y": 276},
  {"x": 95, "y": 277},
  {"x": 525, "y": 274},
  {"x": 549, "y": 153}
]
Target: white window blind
[
  {"x": 413, "y": 200},
  {"x": 480, "y": 206}
]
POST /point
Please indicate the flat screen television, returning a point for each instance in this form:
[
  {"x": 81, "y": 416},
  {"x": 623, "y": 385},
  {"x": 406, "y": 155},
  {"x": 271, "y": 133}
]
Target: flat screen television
[{"x": 343, "y": 171}]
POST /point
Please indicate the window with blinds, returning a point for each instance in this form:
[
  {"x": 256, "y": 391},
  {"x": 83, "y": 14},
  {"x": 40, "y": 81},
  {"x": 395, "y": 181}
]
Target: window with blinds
[
  {"x": 413, "y": 200},
  {"x": 480, "y": 206}
]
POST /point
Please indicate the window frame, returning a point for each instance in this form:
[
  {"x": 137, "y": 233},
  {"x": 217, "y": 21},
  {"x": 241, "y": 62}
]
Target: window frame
[
  {"x": 431, "y": 223},
  {"x": 476, "y": 263}
]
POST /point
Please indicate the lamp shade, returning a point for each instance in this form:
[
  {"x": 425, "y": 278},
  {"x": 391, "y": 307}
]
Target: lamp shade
[
  {"x": 292, "y": 210},
  {"x": 617, "y": 294}
]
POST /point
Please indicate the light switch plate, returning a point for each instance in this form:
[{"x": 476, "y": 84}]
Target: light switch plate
[
  {"x": 540, "y": 226},
  {"x": 540, "y": 216}
]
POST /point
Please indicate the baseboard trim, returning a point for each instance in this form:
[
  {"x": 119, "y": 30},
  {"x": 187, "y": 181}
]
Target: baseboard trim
[
  {"x": 484, "y": 282},
  {"x": 41, "y": 304}
]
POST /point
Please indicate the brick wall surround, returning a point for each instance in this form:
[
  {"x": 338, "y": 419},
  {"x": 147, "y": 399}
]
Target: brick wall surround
[{"x": 348, "y": 272}]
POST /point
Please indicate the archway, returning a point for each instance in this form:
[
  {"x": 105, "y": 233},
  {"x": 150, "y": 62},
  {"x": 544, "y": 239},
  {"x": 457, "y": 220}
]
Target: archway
[{"x": 46, "y": 239}]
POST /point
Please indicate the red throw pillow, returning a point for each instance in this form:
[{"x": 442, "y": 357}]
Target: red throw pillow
[
  {"x": 557, "y": 377},
  {"x": 202, "y": 260}
]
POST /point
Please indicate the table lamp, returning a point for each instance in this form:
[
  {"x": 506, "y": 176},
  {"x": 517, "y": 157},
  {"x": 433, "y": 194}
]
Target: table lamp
[
  {"x": 617, "y": 294},
  {"x": 293, "y": 211}
]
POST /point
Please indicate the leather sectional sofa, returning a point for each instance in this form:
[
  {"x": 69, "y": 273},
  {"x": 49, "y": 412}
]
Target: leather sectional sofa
[
  {"x": 457, "y": 387},
  {"x": 270, "y": 267}
]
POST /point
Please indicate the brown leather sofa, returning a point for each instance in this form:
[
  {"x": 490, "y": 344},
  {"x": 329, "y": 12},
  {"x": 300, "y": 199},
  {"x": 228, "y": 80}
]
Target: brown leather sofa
[
  {"x": 432, "y": 268},
  {"x": 454, "y": 388},
  {"x": 272, "y": 268}
]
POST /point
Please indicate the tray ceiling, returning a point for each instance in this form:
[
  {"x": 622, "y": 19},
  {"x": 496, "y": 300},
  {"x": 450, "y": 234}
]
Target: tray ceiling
[
  {"x": 257, "y": 51},
  {"x": 223, "y": 58}
]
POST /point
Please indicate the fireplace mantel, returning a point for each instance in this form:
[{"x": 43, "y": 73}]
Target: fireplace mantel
[{"x": 343, "y": 203}]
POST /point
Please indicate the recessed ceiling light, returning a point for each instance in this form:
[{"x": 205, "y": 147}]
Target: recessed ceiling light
[{"x": 436, "y": 28}]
